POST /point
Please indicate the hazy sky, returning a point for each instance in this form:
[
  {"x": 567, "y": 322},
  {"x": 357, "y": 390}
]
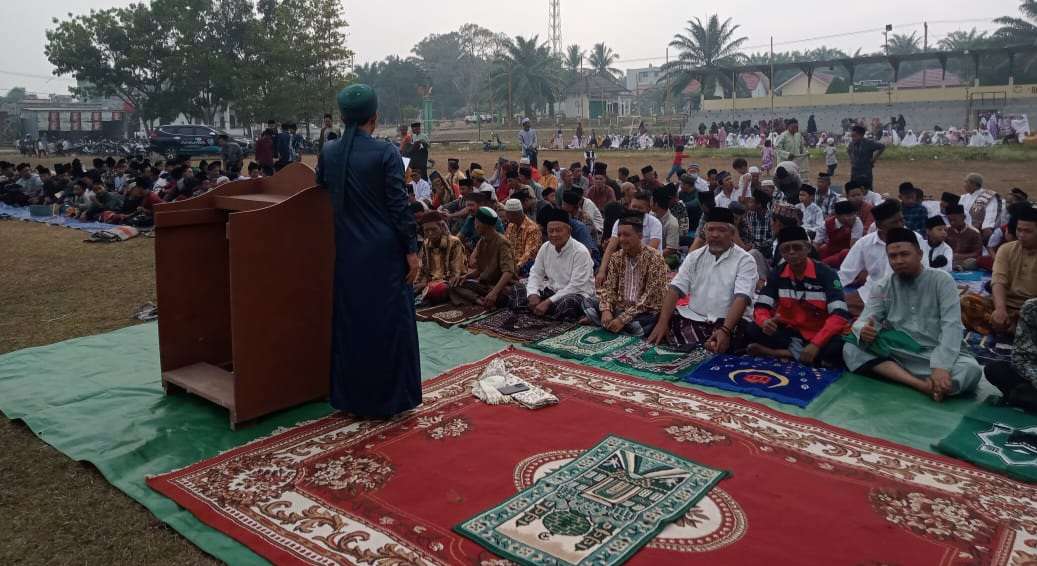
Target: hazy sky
[{"x": 639, "y": 31}]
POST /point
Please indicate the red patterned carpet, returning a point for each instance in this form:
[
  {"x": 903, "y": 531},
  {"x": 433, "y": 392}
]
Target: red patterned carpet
[{"x": 801, "y": 492}]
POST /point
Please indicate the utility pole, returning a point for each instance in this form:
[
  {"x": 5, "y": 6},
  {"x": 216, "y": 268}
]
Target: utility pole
[
  {"x": 771, "y": 79},
  {"x": 925, "y": 47},
  {"x": 885, "y": 34}
]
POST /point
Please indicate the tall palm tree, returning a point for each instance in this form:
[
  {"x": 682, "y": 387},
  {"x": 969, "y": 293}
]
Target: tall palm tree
[
  {"x": 961, "y": 40},
  {"x": 702, "y": 51},
  {"x": 1019, "y": 30},
  {"x": 573, "y": 59},
  {"x": 529, "y": 71},
  {"x": 902, "y": 44},
  {"x": 601, "y": 59}
]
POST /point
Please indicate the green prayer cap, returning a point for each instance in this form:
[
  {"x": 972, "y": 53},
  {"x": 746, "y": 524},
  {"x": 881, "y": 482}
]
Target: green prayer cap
[{"x": 357, "y": 102}]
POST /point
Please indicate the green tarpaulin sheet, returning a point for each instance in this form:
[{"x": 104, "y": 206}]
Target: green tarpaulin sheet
[
  {"x": 986, "y": 437},
  {"x": 99, "y": 399}
]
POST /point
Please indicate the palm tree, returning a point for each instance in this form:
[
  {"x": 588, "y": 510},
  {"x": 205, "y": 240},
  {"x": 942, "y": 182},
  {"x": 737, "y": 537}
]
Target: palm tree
[
  {"x": 960, "y": 40},
  {"x": 902, "y": 44},
  {"x": 1019, "y": 30},
  {"x": 529, "y": 71},
  {"x": 703, "y": 50},
  {"x": 601, "y": 59},
  {"x": 573, "y": 60}
]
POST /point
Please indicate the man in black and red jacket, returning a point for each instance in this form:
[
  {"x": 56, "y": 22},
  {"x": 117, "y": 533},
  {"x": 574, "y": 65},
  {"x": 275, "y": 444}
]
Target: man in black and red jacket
[{"x": 801, "y": 313}]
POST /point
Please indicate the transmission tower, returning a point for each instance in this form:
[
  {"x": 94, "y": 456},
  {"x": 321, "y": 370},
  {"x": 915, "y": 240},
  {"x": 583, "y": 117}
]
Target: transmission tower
[{"x": 555, "y": 27}]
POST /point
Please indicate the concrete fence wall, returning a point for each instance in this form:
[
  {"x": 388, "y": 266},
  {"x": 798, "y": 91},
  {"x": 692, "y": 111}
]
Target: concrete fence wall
[{"x": 920, "y": 115}]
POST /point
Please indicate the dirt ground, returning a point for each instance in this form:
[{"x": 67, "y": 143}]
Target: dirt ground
[{"x": 54, "y": 287}]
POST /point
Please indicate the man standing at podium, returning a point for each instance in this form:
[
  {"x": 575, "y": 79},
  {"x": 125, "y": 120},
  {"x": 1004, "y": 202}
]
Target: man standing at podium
[{"x": 374, "y": 338}]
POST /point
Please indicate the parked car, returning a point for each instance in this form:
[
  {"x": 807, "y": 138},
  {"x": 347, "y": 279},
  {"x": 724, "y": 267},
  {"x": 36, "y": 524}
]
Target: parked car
[
  {"x": 476, "y": 118},
  {"x": 186, "y": 140}
]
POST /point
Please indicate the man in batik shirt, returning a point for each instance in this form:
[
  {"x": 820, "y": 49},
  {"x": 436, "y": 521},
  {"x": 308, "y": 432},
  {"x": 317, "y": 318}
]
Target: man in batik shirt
[
  {"x": 442, "y": 258},
  {"x": 634, "y": 287}
]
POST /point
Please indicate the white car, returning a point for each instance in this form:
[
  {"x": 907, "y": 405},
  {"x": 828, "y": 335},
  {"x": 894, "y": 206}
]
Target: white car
[{"x": 475, "y": 118}]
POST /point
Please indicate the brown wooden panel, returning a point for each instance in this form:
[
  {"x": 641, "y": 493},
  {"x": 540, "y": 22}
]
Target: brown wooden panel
[
  {"x": 247, "y": 202},
  {"x": 193, "y": 286},
  {"x": 281, "y": 260},
  {"x": 206, "y": 381}
]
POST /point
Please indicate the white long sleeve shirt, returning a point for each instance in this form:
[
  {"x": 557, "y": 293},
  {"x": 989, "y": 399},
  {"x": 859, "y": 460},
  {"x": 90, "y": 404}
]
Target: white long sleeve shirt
[
  {"x": 714, "y": 282},
  {"x": 566, "y": 272},
  {"x": 941, "y": 250},
  {"x": 990, "y": 217},
  {"x": 813, "y": 217},
  {"x": 592, "y": 212},
  {"x": 868, "y": 254}
]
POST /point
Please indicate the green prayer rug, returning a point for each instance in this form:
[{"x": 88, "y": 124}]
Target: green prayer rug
[
  {"x": 998, "y": 438},
  {"x": 598, "y": 509},
  {"x": 642, "y": 359},
  {"x": 583, "y": 342}
]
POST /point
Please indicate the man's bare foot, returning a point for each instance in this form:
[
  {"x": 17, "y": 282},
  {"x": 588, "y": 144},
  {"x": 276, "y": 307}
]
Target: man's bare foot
[{"x": 761, "y": 350}]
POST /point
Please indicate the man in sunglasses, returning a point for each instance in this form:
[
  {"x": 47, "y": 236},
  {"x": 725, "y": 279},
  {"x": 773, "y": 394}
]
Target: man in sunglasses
[{"x": 801, "y": 313}]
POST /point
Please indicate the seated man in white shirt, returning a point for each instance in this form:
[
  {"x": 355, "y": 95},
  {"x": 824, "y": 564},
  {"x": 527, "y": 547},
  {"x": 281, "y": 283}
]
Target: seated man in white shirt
[
  {"x": 867, "y": 263},
  {"x": 652, "y": 235},
  {"x": 934, "y": 246},
  {"x": 720, "y": 280},
  {"x": 562, "y": 275}
]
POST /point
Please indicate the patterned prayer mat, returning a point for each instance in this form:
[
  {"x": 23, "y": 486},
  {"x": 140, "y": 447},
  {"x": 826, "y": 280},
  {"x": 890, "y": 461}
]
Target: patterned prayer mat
[
  {"x": 597, "y": 509},
  {"x": 653, "y": 362},
  {"x": 583, "y": 342},
  {"x": 997, "y": 438},
  {"x": 784, "y": 381},
  {"x": 338, "y": 490},
  {"x": 518, "y": 326},
  {"x": 987, "y": 349},
  {"x": 449, "y": 315}
]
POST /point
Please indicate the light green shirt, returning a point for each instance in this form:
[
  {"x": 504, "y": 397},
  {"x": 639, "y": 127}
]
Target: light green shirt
[{"x": 927, "y": 308}]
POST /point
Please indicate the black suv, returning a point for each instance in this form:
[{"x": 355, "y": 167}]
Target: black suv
[{"x": 188, "y": 140}]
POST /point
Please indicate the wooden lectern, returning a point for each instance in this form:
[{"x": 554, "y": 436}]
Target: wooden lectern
[{"x": 244, "y": 277}]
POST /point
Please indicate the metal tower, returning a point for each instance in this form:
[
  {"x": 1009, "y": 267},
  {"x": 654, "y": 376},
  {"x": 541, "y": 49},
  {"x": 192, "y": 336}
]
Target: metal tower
[{"x": 555, "y": 27}]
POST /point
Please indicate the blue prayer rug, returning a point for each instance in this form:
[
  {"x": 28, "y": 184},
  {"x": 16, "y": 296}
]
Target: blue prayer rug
[{"x": 783, "y": 381}]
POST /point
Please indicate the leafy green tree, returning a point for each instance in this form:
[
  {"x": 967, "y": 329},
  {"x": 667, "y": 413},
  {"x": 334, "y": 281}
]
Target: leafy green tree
[
  {"x": 904, "y": 44},
  {"x": 121, "y": 52},
  {"x": 702, "y": 51},
  {"x": 572, "y": 61},
  {"x": 526, "y": 72},
  {"x": 601, "y": 60},
  {"x": 1019, "y": 30},
  {"x": 396, "y": 81},
  {"x": 15, "y": 95},
  {"x": 960, "y": 40}
]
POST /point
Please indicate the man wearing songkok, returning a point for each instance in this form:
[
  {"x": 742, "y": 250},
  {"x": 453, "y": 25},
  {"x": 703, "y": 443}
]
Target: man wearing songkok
[
  {"x": 493, "y": 267},
  {"x": 562, "y": 276},
  {"x": 910, "y": 331},
  {"x": 867, "y": 262},
  {"x": 522, "y": 233},
  {"x": 442, "y": 258},
  {"x": 948, "y": 199},
  {"x": 801, "y": 313},
  {"x": 838, "y": 234},
  {"x": 1014, "y": 281},
  {"x": 651, "y": 235},
  {"x": 633, "y": 291},
  {"x": 582, "y": 209},
  {"x": 964, "y": 240},
  {"x": 720, "y": 281}
]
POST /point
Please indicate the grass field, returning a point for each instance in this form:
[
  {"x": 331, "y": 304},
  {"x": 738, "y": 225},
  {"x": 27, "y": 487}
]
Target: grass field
[{"x": 54, "y": 287}]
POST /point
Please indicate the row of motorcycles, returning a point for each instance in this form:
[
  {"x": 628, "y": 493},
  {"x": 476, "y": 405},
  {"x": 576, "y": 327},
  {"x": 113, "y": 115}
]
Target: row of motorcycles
[{"x": 101, "y": 146}]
